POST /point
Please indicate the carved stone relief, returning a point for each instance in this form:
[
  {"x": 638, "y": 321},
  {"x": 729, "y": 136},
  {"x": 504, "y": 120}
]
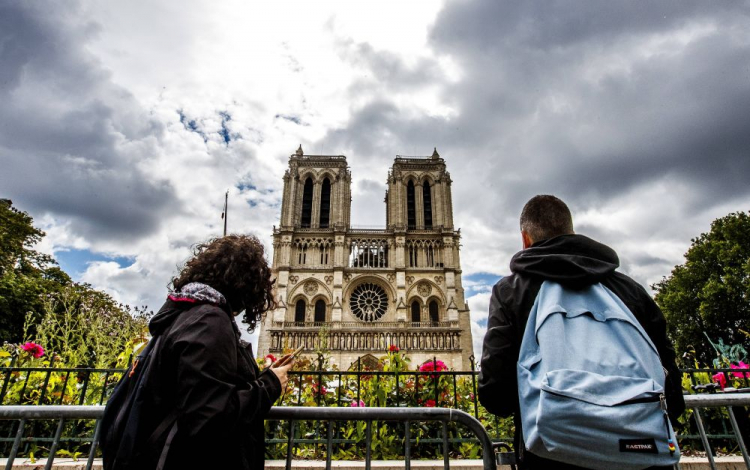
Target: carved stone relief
[
  {"x": 424, "y": 289},
  {"x": 311, "y": 287}
]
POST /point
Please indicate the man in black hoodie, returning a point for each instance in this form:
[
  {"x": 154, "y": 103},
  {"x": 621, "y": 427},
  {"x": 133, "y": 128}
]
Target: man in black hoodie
[{"x": 552, "y": 251}]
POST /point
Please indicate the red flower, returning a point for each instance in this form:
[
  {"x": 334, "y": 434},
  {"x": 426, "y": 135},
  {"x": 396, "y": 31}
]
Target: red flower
[
  {"x": 430, "y": 366},
  {"x": 430, "y": 403},
  {"x": 739, "y": 375},
  {"x": 721, "y": 379},
  {"x": 271, "y": 357},
  {"x": 393, "y": 348},
  {"x": 34, "y": 349}
]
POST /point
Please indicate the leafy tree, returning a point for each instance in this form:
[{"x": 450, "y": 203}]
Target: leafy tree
[
  {"x": 25, "y": 274},
  {"x": 710, "y": 293}
]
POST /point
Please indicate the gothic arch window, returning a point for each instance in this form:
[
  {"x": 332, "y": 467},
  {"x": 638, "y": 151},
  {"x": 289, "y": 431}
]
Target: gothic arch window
[
  {"x": 434, "y": 314},
  {"x": 299, "y": 311},
  {"x": 320, "y": 311},
  {"x": 307, "y": 197},
  {"x": 325, "y": 203},
  {"x": 411, "y": 212},
  {"x": 415, "y": 314},
  {"x": 427, "y": 200}
]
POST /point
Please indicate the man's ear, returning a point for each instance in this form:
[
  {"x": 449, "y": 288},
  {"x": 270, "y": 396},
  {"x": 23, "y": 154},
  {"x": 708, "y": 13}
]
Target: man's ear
[{"x": 527, "y": 241}]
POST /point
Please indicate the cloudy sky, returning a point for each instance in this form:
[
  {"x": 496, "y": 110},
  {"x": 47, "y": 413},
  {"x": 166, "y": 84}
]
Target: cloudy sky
[{"x": 122, "y": 124}]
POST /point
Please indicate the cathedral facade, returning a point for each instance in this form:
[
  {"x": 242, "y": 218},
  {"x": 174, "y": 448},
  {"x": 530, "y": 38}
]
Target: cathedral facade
[{"x": 356, "y": 292}]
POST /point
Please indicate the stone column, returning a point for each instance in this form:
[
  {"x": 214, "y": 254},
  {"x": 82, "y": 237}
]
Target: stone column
[
  {"x": 315, "y": 219},
  {"x": 419, "y": 205}
]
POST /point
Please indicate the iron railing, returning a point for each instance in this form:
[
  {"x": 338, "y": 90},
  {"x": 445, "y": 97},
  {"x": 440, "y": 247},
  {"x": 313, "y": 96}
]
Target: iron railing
[
  {"x": 23, "y": 414},
  {"x": 730, "y": 401},
  {"x": 359, "y": 325}
]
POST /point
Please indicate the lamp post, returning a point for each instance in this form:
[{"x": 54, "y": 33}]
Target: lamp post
[{"x": 224, "y": 214}]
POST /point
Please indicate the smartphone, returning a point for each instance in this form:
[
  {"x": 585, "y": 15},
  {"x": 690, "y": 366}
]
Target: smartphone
[{"x": 285, "y": 360}]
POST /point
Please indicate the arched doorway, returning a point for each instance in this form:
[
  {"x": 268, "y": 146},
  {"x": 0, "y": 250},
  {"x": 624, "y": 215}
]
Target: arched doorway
[
  {"x": 320, "y": 311},
  {"x": 434, "y": 314},
  {"x": 299, "y": 311},
  {"x": 415, "y": 314}
]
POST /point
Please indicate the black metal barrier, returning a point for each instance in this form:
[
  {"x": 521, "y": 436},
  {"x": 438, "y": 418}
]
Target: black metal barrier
[
  {"x": 292, "y": 414},
  {"x": 27, "y": 416}
]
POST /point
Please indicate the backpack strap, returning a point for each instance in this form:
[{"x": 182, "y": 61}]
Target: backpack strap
[
  {"x": 165, "y": 450},
  {"x": 169, "y": 422}
]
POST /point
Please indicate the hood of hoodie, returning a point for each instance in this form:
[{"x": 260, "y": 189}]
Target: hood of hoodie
[
  {"x": 191, "y": 295},
  {"x": 571, "y": 260}
]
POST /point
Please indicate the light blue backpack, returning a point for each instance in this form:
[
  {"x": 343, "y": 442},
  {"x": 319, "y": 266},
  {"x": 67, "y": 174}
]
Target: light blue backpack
[{"x": 590, "y": 383}]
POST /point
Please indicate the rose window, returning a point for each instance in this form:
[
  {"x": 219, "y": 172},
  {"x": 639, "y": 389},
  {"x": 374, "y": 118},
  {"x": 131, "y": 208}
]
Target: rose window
[{"x": 369, "y": 302}]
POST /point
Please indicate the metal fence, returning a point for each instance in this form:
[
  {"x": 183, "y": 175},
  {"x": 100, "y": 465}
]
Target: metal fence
[
  {"x": 329, "y": 416},
  {"x": 729, "y": 402},
  {"x": 26, "y": 416},
  {"x": 429, "y": 389}
]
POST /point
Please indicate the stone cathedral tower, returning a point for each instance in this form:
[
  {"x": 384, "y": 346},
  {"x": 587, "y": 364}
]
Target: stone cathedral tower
[{"x": 359, "y": 290}]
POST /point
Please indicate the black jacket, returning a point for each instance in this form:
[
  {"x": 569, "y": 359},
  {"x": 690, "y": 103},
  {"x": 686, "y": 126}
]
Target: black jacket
[
  {"x": 212, "y": 385},
  {"x": 574, "y": 261}
]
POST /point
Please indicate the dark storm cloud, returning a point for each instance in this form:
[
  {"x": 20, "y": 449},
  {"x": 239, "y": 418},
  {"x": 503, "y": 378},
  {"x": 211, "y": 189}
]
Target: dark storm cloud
[
  {"x": 670, "y": 105},
  {"x": 67, "y": 130},
  {"x": 387, "y": 68},
  {"x": 588, "y": 100}
]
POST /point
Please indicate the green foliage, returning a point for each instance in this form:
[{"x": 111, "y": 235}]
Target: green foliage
[
  {"x": 25, "y": 274},
  {"x": 710, "y": 293},
  {"x": 86, "y": 328}
]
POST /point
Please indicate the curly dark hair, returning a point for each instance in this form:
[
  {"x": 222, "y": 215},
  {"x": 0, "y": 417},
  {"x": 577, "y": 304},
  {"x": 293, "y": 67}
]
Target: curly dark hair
[{"x": 234, "y": 265}]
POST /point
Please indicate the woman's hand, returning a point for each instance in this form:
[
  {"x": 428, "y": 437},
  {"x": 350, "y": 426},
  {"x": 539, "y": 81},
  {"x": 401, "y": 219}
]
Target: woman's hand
[{"x": 281, "y": 373}]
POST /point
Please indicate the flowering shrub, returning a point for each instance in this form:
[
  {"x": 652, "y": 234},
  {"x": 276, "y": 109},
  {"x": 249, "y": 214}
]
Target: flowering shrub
[
  {"x": 393, "y": 383},
  {"x": 740, "y": 375},
  {"x": 34, "y": 349}
]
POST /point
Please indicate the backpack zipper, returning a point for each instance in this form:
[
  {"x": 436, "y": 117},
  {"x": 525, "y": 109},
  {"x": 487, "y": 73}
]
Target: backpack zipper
[{"x": 670, "y": 441}]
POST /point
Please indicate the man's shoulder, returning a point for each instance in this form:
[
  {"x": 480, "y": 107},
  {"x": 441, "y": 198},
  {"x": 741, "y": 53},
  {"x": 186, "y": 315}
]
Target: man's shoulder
[{"x": 627, "y": 286}]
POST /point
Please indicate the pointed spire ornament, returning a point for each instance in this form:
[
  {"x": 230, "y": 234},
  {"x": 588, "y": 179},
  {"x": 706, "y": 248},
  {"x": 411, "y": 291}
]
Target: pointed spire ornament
[
  {"x": 435, "y": 154},
  {"x": 299, "y": 151}
]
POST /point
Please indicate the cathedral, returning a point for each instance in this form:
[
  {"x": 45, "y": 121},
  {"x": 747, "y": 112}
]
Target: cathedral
[{"x": 356, "y": 292}]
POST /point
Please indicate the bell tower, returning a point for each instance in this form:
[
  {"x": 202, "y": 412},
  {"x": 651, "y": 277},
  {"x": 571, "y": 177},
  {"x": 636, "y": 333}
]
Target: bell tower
[
  {"x": 419, "y": 194},
  {"x": 317, "y": 192}
]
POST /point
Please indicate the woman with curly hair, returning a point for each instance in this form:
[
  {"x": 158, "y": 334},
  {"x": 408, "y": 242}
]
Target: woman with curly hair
[{"x": 207, "y": 398}]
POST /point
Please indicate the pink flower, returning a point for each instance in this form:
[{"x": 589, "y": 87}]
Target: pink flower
[
  {"x": 739, "y": 375},
  {"x": 430, "y": 366},
  {"x": 430, "y": 403},
  {"x": 393, "y": 348},
  {"x": 34, "y": 349},
  {"x": 721, "y": 379},
  {"x": 361, "y": 404}
]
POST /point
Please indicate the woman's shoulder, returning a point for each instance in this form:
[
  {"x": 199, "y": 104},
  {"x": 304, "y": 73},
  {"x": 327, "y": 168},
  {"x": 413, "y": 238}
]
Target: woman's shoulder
[{"x": 203, "y": 317}]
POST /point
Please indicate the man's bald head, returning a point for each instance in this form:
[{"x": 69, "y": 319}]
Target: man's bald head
[{"x": 545, "y": 217}]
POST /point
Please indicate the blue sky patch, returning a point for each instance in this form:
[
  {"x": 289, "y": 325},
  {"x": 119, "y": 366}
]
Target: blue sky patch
[
  {"x": 191, "y": 125},
  {"x": 295, "y": 119},
  {"x": 74, "y": 262},
  {"x": 245, "y": 187},
  {"x": 479, "y": 282}
]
